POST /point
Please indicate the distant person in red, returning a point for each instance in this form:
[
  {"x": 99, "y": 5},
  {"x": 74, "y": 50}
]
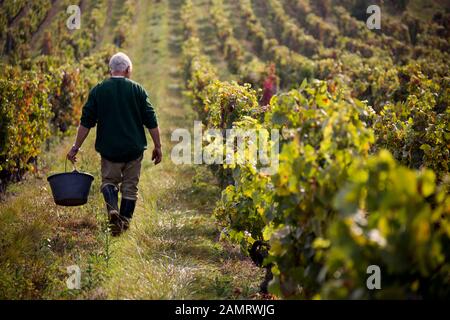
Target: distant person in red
[
  {"x": 269, "y": 86},
  {"x": 120, "y": 108}
]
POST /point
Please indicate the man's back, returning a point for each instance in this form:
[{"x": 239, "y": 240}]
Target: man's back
[{"x": 120, "y": 108}]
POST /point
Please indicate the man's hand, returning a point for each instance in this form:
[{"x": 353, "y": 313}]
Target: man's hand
[
  {"x": 82, "y": 133},
  {"x": 157, "y": 155},
  {"x": 72, "y": 154}
]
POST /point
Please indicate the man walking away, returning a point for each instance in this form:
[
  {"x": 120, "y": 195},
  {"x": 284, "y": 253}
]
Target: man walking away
[{"x": 121, "y": 109}]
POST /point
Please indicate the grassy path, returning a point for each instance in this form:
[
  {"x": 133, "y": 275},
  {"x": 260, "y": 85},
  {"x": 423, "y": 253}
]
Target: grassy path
[{"x": 172, "y": 249}]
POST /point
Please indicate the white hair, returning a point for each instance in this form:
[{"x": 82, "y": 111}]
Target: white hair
[{"x": 120, "y": 62}]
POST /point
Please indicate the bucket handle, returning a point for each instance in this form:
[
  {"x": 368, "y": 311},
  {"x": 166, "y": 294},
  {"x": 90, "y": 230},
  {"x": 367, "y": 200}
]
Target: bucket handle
[{"x": 73, "y": 164}]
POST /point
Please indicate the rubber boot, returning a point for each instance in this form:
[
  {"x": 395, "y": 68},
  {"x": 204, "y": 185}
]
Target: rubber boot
[
  {"x": 127, "y": 207},
  {"x": 111, "y": 196}
]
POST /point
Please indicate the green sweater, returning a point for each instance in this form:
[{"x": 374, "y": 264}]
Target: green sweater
[{"x": 120, "y": 108}]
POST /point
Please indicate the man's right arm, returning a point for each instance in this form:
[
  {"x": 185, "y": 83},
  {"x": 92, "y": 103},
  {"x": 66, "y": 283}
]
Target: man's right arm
[
  {"x": 149, "y": 118},
  {"x": 151, "y": 122},
  {"x": 157, "y": 151}
]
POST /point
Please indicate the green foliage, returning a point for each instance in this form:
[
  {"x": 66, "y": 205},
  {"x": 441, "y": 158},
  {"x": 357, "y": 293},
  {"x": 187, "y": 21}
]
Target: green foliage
[
  {"x": 303, "y": 210},
  {"x": 291, "y": 35},
  {"x": 189, "y": 25},
  {"x": 292, "y": 67},
  {"x": 383, "y": 213},
  {"x": 24, "y": 117},
  {"x": 43, "y": 95},
  {"x": 330, "y": 135},
  {"x": 46, "y": 99},
  {"x": 229, "y": 45},
  {"x": 416, "y": 130},
  {"x": 395, "y": 218},
  {"x": 240, "y": 212},
  {"x": 198, "y": 74},
  {"x": 228, "y": 103},
  {"x": 18, "y": 36},
  {"x": 123, "y": 29}
]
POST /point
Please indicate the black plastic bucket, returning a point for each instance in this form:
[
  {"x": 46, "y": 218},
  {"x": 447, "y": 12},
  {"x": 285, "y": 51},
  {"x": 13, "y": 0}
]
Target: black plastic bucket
[{"x": 70, "y": 188}]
